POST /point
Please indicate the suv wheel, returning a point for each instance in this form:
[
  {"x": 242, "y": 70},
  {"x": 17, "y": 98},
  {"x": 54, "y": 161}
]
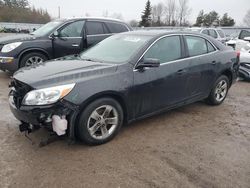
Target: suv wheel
[
  {"x": 34, "y": 58},
  {"x": 100, "y": 121},
  {"x": 219, "y": 91}
]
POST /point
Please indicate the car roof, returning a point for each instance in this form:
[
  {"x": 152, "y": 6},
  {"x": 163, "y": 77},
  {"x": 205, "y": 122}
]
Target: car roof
[
  {"x": 154, "y": 34},
  {"x": 91, "y": 18},
  {"x": 161, "y": 32}
]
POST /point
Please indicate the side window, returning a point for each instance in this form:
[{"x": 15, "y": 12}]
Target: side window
[
  {"x": 196, "y": 45},
  {"x": 221, "y": 33},
  {"x": 205, "y": 32},
  {"x": 210, "y": 47},
  {"x": 166, "y": 49},
  {"x": 213, "y": 33},
  {"x": 72, "y": 30},
  {"x": 95, "y": 28},
  {"x": 116, "y": 27},
  {"x": 244, "y": 33}
]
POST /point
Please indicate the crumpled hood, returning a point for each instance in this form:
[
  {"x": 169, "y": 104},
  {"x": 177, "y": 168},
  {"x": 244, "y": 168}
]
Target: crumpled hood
[
  {"x": 62, "y": 72},
  {"x": 16, "y": 38}
]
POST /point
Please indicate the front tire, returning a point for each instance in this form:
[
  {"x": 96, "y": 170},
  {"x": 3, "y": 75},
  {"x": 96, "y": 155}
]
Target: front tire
[
  {"x": 33, "y": 58},
  {"x": 100, "y": 121},
  {"x": 219, "y": 91}
]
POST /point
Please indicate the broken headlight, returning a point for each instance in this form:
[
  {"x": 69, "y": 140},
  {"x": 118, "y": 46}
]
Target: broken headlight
[{"x": 47, "y": 96}]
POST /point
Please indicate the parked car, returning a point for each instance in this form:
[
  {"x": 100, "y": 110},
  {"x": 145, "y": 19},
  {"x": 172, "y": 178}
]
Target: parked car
[
  {"x": 124, "y": 78},
  {"x": 216, "y": 33},
  {"x": 56, "y": 39},
  {"x": 244, "y": 70},
  {"x": 240, "y": 40}
]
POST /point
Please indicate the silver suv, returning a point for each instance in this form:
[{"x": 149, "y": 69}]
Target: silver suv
[{"x": 216, "y": 33}]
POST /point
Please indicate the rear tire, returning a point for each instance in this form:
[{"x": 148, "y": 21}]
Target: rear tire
[
  {"x": 100, "y": 121},
  {"x": 33, "y": 58},
  {"x": 219, "y": 91}
]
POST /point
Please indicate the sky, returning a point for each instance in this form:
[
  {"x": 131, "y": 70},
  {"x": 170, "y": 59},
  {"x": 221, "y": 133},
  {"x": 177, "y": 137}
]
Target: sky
[{"x": 131, "y": 9}]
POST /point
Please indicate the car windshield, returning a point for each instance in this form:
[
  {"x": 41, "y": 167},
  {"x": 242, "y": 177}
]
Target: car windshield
[
  {"x": 116, "y": 49},
  {"x": 47, "y": 28}
]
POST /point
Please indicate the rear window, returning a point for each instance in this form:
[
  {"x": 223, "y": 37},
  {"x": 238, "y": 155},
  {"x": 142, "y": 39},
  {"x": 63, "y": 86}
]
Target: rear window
[
  {"x": 116, "y": 27},
  {"x": 213, "y": 33},
  {"x": 205, "y": 32},
  {"x": 221, "y": 33}
]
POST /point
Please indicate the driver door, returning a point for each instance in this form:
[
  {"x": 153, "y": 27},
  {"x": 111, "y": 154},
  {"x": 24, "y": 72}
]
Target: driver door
[
  {"x": 165, "y": 86},
  {"x": 69, "y": 40}
]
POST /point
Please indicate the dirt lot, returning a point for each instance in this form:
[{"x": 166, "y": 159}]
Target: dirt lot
[{"x": 193, "y": 146}]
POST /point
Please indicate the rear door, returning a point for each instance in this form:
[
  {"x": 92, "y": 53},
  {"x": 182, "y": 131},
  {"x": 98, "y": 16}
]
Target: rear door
[
  {"x": 69, "y": 40},
  {"x": 96, "y": 32},
  {"x": 203, "y": 65}
]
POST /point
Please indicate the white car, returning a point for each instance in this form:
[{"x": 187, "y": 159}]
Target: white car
[
  {"x": 216, "y": 33},
  {"x": 244, "y": 70},
  {"x": 240, "y": 41}
]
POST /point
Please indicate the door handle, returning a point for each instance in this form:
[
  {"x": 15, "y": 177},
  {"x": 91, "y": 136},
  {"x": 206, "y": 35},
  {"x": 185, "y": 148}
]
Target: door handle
[
  {"x": 213, "y": 62},
  {"x": 75, "y": 45},
  {"x": 182, "y": 71}
]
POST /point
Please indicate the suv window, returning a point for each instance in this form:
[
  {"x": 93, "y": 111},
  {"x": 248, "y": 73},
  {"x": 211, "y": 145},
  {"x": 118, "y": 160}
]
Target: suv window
[
  {"x": 221, "y": 33},
  {"x": 205, "y": 32},
  {"x": 166, "y": 49},
  {"x": 95, "y": 28},
  {"x": 116, "y": 27},
  {"x": 196, "y": 45},
  {"x": 213, "y": 33},
  {"x": 72, "y": 30},
  {"x": 244, "y": 33}
]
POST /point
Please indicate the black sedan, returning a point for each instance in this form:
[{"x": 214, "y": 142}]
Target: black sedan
[{"x": 124, "y": 78}]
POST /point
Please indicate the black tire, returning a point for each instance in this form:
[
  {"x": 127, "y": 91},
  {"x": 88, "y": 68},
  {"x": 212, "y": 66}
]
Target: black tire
[
  {"x": 25, "y": 58},
  {"x": 212, "y": 99},
  {"x": 83, "y": 128}
]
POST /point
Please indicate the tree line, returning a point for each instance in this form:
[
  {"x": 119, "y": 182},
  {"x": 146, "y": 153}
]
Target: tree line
[
  {"x": 20, "y": 11},
  {"x": 176, "y": 13}
]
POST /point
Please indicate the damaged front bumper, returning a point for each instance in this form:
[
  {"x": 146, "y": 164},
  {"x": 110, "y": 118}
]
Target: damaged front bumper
[{"x": 35, "y": 117}]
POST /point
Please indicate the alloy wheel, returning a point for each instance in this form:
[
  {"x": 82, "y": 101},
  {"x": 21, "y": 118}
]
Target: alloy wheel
[
  {"x": 102, "y": 122},
  {"x": 35, "y": 60},
  {"x": 221, "y": 91}
]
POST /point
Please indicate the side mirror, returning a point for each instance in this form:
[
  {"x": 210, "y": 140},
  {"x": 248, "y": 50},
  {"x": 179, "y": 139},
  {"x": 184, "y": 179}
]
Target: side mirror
[
  {"x": 148, "y": 63},
  {"x": 56, "y": 34},
  {"x": 247, "y": 39}
]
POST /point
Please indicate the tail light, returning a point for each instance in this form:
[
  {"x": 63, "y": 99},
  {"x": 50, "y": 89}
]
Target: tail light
[{"x": 238, "y": 56}]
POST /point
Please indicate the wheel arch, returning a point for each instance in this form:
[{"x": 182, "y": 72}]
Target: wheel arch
[
  {"x": 228, "y": 73},
  {"x": 107, "y": 94},
  {"x": 32, "y": 50}
]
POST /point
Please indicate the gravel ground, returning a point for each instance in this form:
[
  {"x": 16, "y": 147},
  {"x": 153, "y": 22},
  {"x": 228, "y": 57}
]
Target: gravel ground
[{"x": 193, "y": 146}]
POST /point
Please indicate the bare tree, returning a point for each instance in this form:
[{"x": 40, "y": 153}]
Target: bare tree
[
  {"x": 247, "y": 18},
  {"x": 157, "y": 13},
  {"x": 184, "y": 11},
  {"x": 171, "y": 12}
]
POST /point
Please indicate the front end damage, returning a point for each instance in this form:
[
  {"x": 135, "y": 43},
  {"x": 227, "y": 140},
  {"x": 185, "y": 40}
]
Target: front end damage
[{"x": 57, "y": 118}]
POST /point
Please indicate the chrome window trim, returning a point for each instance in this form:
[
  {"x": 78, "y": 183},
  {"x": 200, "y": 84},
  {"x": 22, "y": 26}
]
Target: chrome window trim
[
  {"x": 174, "y": 61},
  {"x": 100, "y": 35}
]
